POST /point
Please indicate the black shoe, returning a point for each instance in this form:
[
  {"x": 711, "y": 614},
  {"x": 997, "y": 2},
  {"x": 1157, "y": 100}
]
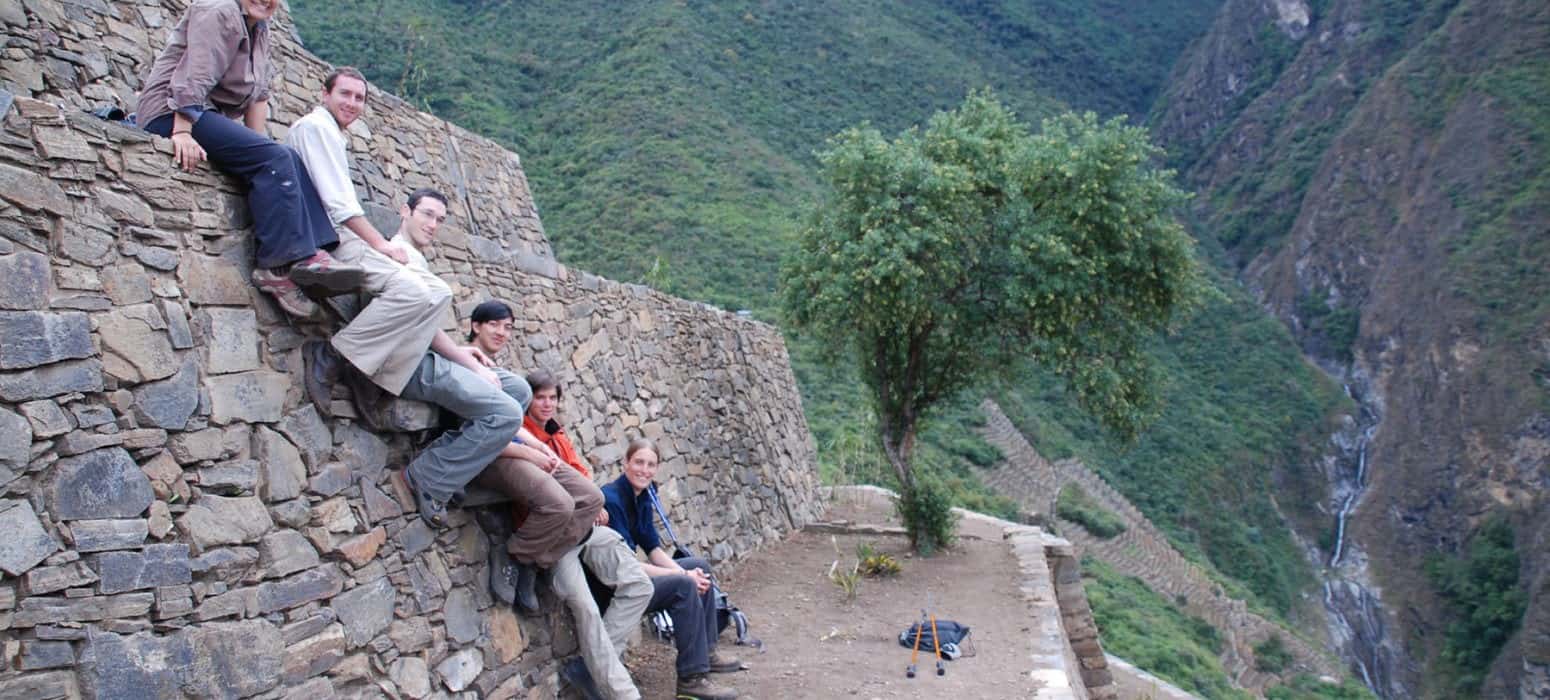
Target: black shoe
[
  {"x": 574, "y": 672},
  {"x": 323, "y": 368},
  {"x": 503, "y": 574},
  {"x": 527, "y": 587}
]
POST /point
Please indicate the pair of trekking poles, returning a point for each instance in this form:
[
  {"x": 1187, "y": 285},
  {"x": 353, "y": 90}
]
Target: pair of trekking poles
[{"x": 936, "y": 645}]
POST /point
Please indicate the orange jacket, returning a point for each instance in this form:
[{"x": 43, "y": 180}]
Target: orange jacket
[{"x": 557, "y": 441}]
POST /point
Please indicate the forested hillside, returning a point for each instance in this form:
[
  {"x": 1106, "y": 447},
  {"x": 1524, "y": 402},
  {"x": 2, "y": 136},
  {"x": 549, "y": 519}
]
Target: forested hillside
[{"x": 672, "y": 143}]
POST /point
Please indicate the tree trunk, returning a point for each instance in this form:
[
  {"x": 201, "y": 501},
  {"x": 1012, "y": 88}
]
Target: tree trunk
[{"x": 899, "y": 448}]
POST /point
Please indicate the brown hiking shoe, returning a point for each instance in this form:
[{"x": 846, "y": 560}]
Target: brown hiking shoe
[
  {"x": 285, "y": 293},
  {"x": 324, "y": 273},
  {"x": 720, "y": 663},
  {"x": 699, "y": 687}
]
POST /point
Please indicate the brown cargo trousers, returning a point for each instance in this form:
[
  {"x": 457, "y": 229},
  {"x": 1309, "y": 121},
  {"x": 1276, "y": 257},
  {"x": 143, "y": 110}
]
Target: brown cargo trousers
[{"x": 561, "y": 507}]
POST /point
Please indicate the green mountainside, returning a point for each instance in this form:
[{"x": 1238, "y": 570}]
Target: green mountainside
[
  {"x": 672, "y": 143},
  {"x": 1381, "y": 180}
]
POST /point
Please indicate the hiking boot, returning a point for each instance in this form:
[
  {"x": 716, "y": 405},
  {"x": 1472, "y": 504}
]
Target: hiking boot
[
  {"x": 700, "y": 687},
  {"x": 432, "y": 511},
  {"x": 285, "y": 293},
  {"x": 574, "y": 672},
  {"x": 721, "y": 663},
  {"x": 503, "y": 575},
  {"x": 323, "y": 368},
  {"x": 366, "y": 395},
  {"x": 527, "y": 587},
  {"x": 324, "y": 272}
]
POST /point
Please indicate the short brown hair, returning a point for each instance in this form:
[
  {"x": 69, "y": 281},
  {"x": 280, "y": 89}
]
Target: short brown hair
[
  {"x": 540, "y": 379},
  {"x": 346, "y": 71}
]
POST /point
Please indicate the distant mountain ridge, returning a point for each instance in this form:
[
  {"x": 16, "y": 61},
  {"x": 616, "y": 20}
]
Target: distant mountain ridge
[{"x": 1381, "y": 179}]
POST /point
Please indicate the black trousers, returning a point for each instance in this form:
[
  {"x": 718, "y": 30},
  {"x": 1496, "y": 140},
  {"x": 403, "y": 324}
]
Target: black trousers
[
  {"x": 693, "y": 613},
  {"x": 289, "y": 222}
]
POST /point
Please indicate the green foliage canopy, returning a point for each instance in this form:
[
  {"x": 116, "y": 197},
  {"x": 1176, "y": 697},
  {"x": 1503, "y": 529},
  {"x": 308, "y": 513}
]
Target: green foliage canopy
[
  {"x": 1484, "y": 598},
  {"x": 941, "y": 257}
]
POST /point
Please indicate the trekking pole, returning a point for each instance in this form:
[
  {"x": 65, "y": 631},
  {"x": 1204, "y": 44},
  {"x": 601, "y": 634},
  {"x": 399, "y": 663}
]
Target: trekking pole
[
  {"x": 920, "y": 629},
  {"x": 936, "y": 641}
]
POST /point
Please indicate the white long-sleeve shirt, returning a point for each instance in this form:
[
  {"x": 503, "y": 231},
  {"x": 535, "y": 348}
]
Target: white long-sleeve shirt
[{"x": 323, "y": 149}]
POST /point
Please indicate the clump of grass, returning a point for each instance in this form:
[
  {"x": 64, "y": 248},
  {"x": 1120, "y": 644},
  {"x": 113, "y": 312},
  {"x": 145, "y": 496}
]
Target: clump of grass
[
  {"x": 874, "y": 564},
  {"x": 849, "y": 580}
]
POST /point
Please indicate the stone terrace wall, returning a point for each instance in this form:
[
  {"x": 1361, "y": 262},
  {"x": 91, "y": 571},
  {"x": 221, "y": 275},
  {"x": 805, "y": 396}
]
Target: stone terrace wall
[{"x": 180, "y": 522}]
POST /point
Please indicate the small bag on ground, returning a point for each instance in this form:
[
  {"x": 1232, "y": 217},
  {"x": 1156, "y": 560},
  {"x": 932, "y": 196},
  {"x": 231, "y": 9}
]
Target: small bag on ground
[{"x": 951, "y": 633}]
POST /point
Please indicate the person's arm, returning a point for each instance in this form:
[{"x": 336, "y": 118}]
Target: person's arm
[
  {"x": 213, "y": 35},
  {"x": 362, "y": 227},
  {"x": 659, "y": 563},
  {"x": 324, "y": 155},
  {"x": 528, "y": 438},
  {"x": 256, "y": 117},
  {"x": 443, "y": 345},
  {"x": 186, "y": 152},
  {"x": 528, "y": 453}
]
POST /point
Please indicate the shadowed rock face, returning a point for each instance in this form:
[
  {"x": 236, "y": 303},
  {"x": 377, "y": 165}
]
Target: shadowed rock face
[
  {"x": 181, "y": 522},
  {"x": 1375, "y": 169}
]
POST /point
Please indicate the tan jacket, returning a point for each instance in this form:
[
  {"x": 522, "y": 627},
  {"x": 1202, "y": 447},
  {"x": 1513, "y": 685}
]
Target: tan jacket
[{"x": 212, "y": 61}]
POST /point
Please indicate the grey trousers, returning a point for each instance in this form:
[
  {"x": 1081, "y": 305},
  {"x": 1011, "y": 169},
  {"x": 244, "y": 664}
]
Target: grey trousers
[
  {"x": 386, "y": 340},
  {"x": 693, "y": 613},
  {"x": 515, "y": 386},
  {"x": 490, "y": 418},
  {"x": 603, "y": 638}
]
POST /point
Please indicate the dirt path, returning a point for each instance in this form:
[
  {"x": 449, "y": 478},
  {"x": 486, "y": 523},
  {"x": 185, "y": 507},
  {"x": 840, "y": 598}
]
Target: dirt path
[{"x": 818, "y": 645}]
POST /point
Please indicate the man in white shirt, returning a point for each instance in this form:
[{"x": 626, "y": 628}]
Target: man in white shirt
[
  {"x": 397, "y": 339},
  {"x": 389, "y": 337}
]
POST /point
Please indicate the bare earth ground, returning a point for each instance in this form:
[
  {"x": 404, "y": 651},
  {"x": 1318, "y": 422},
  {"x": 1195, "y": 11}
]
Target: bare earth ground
[{"x": 818, "y": 645}]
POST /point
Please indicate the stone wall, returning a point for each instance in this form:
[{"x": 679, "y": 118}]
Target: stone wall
[{"x": 181, "y": 522}]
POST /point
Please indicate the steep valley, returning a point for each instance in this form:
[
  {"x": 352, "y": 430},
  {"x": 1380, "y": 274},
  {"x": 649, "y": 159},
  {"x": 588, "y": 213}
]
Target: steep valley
[{"x": 1379, "y": 181}]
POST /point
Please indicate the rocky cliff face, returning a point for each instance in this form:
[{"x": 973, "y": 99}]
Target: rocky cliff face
[{"x": 1378, "y": 176}]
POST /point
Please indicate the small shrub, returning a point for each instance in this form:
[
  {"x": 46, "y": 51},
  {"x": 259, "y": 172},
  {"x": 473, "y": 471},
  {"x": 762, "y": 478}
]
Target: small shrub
[
  {"x": 927, "y": 512},
  {"x": 874, "y": 564},
  {"x": 849, "y": 580},
  {"x": 1075, "y": 505},
  {"x": 1271, "y": 655},
  {"x": 1484, "y": 600}
]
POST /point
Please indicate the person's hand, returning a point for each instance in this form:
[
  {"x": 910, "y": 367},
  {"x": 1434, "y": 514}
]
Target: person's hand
[
  {"x": 485, "y": 374},
  {"x": 186, "y": 152},
  {"x": 601, "y": 519},
  {"x": 700, "y": 578},
  {"x": 394, "y": 251},
  {"x": 480, "y": 356}
]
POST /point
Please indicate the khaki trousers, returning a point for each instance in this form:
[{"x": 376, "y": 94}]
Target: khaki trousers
[
  {"x": 603, "y": 638},
  {"x": 387, "y": 339},
  {"x": 562, "y": 507}
]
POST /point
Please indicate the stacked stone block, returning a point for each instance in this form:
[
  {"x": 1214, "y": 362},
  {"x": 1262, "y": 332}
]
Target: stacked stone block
[{"x": 178, "y": 519}]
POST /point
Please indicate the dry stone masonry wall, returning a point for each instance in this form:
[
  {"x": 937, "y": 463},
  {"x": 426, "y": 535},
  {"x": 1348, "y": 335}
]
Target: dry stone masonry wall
[{"x": 180, "y": 522}]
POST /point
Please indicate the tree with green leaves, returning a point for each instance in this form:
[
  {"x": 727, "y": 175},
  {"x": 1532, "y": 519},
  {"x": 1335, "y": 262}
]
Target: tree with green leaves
[{"x": 945, "y": 256}]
